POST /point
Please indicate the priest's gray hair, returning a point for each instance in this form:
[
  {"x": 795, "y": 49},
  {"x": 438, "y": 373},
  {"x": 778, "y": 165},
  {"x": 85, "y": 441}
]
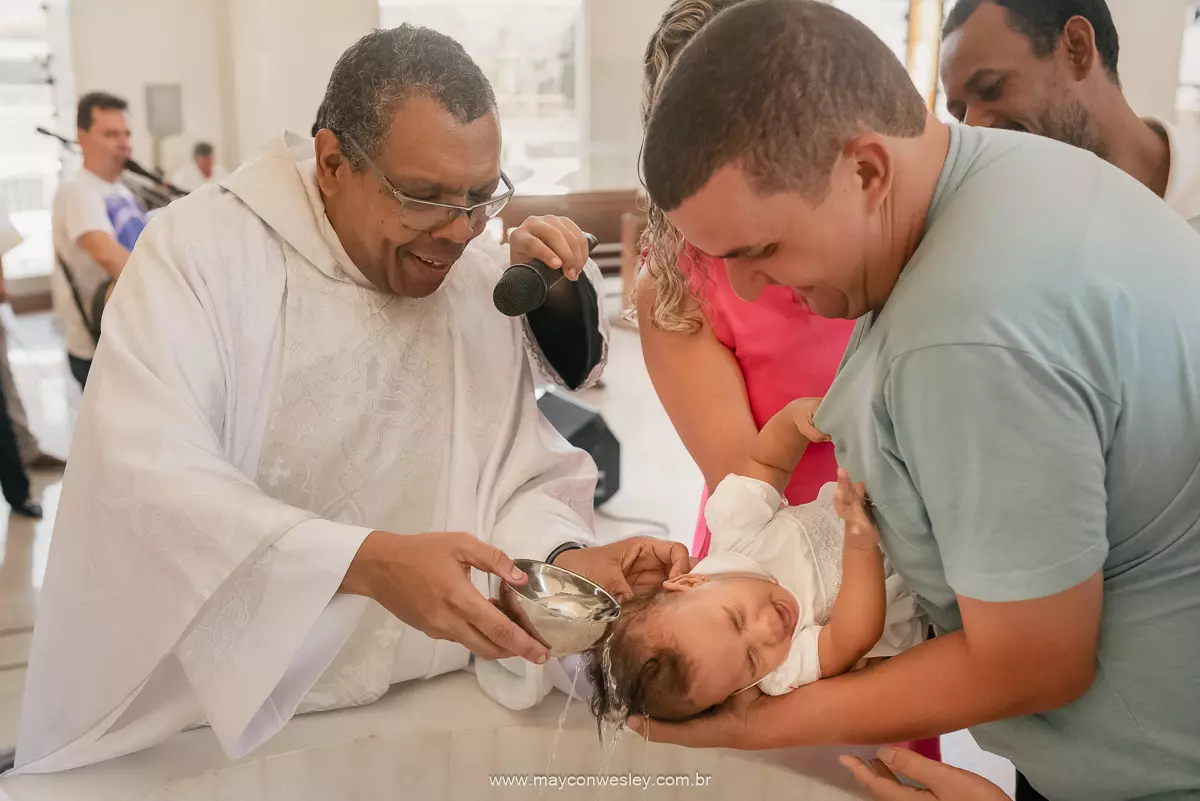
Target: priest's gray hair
[{"x": 386, "y": 67}]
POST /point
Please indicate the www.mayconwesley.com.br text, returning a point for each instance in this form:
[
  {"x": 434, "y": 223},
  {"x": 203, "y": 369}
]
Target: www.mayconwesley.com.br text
[{"x": 635, "y": 780}]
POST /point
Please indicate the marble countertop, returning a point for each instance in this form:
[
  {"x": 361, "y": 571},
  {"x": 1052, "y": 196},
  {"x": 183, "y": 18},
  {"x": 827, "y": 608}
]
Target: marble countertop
[{"x": 442, "y": 739}]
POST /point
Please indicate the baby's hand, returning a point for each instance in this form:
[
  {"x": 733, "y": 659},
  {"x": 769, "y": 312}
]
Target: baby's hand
[
  {"x": 802, "y": 411},
  {"x": 850, "y": 503}
]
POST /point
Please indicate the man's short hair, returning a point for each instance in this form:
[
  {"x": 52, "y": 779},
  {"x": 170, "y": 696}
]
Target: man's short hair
[
  {"x": 778, "y": 87},
  {"x": 386, "y": 67},
  {"x": 201, "y": 150},
  {"x": 1042, "y": 23},
  {"x": 88, "y": 104}
]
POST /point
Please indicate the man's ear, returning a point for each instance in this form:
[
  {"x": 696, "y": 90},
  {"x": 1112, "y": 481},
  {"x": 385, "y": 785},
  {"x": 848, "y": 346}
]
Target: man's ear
[
  {"x": 688, "y": 581},
  {"x": 330, "y": 161},
  {"x": 874, "y": 168},
  {"x": 1079, "y": 45}
]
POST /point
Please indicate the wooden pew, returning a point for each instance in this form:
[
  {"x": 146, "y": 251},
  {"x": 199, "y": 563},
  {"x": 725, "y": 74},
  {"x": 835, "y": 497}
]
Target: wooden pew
[{"x": 598, "y": 213}]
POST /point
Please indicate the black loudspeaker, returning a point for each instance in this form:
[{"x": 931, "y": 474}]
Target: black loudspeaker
[{"x": 584, "y": 428}]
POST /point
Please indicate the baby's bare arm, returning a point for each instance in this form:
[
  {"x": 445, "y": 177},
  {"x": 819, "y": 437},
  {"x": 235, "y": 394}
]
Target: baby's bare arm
[
  {"x": 857, "y": 620},
  {"x": 780, "y": 445}
]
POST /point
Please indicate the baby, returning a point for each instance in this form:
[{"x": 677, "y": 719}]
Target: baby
[{"x": 787, "y": 595}]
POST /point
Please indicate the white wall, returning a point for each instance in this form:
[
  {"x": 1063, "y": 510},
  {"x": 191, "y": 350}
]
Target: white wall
[
  {"x": 250, "y": 68},
  {"x": 121, "y": 45},
  {"x": 283, "y": 52},
  {"x": 247, "y": 68},
  {"x": 1151, "y": 34},
  {"x": 617, "y": 32}
]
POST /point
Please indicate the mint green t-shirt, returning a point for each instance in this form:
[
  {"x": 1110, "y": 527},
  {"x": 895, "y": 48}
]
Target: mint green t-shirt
[{"x": 1025, "y": 411}]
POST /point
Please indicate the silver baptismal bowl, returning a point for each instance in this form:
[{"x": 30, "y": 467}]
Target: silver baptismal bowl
[{"x": 564, "y": 611}]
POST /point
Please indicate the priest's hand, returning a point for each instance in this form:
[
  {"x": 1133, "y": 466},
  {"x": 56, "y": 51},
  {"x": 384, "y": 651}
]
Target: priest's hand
[
  {"x": 628, "y": 567},
  {"x": 555, "y": 241},
  {"x": 425, "y": 581}
]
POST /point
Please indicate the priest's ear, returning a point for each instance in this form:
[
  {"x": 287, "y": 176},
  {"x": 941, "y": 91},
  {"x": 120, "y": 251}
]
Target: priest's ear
[{"x": 332, "y": 166}]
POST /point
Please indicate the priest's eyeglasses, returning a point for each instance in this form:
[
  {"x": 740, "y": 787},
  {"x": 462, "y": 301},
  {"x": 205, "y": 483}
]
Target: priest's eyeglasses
[{"x": 427, "y": 215}]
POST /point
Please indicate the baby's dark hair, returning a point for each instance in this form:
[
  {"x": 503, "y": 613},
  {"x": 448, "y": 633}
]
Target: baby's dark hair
[{"x": 643, "y": 677}]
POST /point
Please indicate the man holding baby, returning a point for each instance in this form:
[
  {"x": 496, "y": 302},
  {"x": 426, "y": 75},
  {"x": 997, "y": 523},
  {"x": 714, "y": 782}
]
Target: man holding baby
[{"x": 1020, "y": 399}]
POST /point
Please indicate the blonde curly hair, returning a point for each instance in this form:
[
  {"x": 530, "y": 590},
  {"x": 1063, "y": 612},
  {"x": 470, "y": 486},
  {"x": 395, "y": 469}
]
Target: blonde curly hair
[{"x": 674, "y": 308}]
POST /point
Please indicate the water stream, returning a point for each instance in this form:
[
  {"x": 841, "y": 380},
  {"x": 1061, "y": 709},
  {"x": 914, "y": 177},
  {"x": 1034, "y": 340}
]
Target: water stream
[
  {"x": 611, "y": 728},
  {"x": 562, "y": 722}
]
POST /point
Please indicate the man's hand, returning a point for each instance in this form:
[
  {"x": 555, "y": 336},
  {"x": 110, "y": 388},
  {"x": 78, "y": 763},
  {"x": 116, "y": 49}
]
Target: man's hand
[
  {"x": 731, "y": 725},
  {"x": 634, "y": 566},
  {"x": 879, "y": 778},
  {"x": 802, "y": 411},
  {"x": 425, "y": 581},
  {"x": 555, "y": 241}
]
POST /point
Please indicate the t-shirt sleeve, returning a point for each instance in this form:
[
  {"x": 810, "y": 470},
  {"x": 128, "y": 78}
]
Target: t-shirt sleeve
[
  {"x": 1007, "y": 454},
  {"x": 84, "y": 211}
]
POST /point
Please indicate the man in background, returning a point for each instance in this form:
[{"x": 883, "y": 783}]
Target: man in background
[
  {"x": 201, "y": 170},
  {"x": 96, "y": 221},
  {"x": 1050, "y": 67}
]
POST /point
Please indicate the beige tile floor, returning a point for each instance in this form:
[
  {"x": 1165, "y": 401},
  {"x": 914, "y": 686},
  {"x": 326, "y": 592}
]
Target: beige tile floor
[
  {"x": 659, "y": 482},
  {"x": 50, "y": 397}
]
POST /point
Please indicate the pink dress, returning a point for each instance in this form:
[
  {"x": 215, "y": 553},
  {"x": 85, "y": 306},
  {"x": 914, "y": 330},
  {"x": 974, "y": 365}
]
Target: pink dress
[{"x": 785, "y": 352}]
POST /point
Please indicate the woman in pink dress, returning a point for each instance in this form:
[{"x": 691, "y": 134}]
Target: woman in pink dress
[
  {"x": 722, "y": 366},
  {"x": 742, "y": 363}
]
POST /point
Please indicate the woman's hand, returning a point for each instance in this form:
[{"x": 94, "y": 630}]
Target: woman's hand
[
  {"x": 555, "y": 241},
  {"x": 731, "y": 725},
  {"x": 944, "y": 783}
]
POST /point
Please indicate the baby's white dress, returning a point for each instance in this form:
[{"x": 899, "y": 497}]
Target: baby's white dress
[{"x": 800, "y": 547}]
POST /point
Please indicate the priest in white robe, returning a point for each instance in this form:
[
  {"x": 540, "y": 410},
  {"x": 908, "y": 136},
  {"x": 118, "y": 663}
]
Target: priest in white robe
[{"x": 305, "y": 424}]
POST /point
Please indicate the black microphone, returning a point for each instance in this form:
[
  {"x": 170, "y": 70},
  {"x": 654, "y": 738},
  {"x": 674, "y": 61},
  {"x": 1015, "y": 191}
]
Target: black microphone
[
  {"x": 138, "y": 169},
  {"x": 525, "y": 286}
]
